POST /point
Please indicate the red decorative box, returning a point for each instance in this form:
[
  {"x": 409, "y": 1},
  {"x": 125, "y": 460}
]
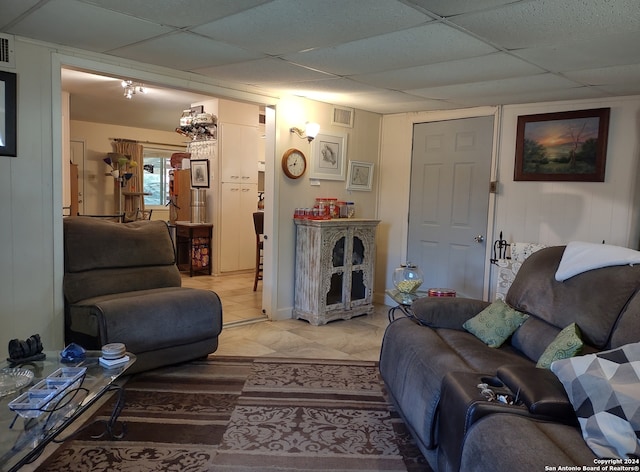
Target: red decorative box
[{"x": 441, "y": 292}]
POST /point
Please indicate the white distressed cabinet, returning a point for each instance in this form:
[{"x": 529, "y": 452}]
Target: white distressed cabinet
[{"x": 335, "y": 261}]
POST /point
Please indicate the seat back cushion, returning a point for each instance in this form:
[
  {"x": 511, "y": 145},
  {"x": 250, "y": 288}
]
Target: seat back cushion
[
  {"x": 104, "y": 257},
  {"x": 593, "y": 300},
  {"x": 91, "y": 243}
]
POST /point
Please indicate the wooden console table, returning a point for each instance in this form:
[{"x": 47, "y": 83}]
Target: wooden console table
[{"x": 193, "y": 247}]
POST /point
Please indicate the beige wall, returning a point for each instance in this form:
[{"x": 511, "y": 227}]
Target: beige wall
[
  {"x": 98, "y": 187},
  {"x": 362, "y": 145}
]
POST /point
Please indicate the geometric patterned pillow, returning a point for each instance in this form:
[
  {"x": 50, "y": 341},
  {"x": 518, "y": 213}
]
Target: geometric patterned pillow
[
  {"x": 566, "y": 344},
  {"x": 604, "y": 389},
  {"x": 495, "y": 323}
]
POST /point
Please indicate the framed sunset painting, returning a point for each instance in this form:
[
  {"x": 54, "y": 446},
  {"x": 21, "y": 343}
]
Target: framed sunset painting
[{"x": 566, "y": 146}]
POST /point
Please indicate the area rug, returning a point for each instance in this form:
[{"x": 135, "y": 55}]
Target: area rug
[{"x": 245, "y": 414}]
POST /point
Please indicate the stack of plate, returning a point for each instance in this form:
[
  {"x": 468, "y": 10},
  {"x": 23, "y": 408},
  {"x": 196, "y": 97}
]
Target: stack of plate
[
  {"x": 113, "y": 351},
  {"x": 114, "y": 354}
]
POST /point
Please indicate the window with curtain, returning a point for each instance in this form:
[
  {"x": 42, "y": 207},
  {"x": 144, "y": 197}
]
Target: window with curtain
[{"x": 157, "y": 167}]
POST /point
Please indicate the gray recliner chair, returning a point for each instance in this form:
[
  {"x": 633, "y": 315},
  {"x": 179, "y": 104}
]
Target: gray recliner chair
[{"x": 121, "y": 284}]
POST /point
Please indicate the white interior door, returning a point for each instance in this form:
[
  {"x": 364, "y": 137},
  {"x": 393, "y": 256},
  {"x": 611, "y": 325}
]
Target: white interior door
[{"x": 449, "y": 201}]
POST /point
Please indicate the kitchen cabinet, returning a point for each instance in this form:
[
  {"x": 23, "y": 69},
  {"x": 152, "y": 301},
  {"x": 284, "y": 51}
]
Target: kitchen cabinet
[
  {"x": 238, "y": 153},
  {"x": 335, "y": 262},
  {"x": 238, "y": 202},
  {"x": 238, "y": 195}
]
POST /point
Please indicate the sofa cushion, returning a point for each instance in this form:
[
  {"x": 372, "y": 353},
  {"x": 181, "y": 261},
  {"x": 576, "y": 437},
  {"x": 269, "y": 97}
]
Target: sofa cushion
[
  {"x": 495, "y": 323},
  {"x": 149, "y": 320},
  {"x": 103, "y": 257},
  {"x": 603, "y": 389},
  {"x": 566, "y": 344},
  {"x": 515, "y": 443},
  {"x": 148, "y": 243},
  {"x": 414, "y": 359}
]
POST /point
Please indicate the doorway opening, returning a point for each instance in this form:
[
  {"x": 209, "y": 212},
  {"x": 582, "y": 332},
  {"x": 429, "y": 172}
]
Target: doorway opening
[{"x": 98, "y": 112}]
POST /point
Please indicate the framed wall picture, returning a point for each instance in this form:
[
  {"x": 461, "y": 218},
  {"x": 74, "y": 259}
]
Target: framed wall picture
[
  {"x": 328, "y": 157},
  {"x": 565, "y": 146},
  {"x": 8, "y": 114},
  {"x": 360, "y": 176},
  {"x": 200, "y": 173}
]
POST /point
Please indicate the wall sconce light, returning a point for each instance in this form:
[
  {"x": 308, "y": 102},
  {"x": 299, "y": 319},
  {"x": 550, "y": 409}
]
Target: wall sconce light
[
  {"x": 130, "y": 88},
  {"x": 309, "y": 132}
]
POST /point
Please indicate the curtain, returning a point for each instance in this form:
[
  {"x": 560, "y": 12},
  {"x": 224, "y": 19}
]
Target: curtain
[{"x": 133, "y": 151}]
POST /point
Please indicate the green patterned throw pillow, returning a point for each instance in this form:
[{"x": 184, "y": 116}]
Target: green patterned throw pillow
[
  {"x": 566, "y": 344},
  {"x": 495, "y": 324}
]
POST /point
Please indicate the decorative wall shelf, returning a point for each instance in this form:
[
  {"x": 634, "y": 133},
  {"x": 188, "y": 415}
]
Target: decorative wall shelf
[{"x": 199, "y": 132}]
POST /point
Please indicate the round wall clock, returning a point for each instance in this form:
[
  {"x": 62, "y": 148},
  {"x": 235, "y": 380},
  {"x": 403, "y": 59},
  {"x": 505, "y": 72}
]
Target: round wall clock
[{"x": 294, "y": 164}]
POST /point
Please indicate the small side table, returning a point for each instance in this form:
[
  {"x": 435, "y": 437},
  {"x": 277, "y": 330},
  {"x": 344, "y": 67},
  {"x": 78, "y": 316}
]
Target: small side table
[
  {"x": 404, "y": 302},
  {"x": 193, "y": 246}
]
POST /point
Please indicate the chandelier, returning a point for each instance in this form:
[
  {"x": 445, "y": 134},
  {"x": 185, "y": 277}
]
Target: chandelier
[{"x": 130, "y": 88}]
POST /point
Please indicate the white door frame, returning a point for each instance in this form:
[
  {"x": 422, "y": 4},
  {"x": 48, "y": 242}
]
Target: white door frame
[{"x": 130, "y": 69}]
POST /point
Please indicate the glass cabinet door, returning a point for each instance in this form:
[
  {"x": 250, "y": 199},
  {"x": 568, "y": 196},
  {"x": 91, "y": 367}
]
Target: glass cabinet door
[
  {"x": 358, "y": 290},
  {"x": 334, "y": 295},
  {"x": 337, "y": 255}
]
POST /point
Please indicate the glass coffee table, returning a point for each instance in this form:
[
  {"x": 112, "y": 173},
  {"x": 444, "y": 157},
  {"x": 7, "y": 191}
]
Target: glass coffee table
[
  {"x": 24, "y": 433},
  {"x": 404, "y": 301}
]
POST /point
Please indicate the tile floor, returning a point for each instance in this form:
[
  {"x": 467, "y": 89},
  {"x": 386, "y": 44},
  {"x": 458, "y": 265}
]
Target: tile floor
[{"x": 247, "y": 332}]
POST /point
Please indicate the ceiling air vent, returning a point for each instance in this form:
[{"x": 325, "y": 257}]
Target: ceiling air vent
[
  {"x": 342, "y": 117},
  {"x": 6, "y": 50}
]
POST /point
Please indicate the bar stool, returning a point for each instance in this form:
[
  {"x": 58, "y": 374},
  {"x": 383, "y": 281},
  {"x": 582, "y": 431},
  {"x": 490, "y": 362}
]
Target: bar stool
[{"x": 258, "y": 224}]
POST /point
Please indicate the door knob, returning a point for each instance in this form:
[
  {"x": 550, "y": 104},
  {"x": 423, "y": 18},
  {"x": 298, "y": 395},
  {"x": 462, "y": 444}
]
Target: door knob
[{"x": 479, "y": 239}]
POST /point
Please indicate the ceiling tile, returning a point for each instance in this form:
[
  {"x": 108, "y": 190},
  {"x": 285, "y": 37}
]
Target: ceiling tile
[
  {"x": 178, "y": 13},
  {"x": 285, "y": 26},
  {"x": 608, "y": 75},
  {"x": 615, "y": 49},
  {"x": 533, "y": 83},
  {"x": 185, "y": 51},
  {"x": 329, "y": 85},
  {"x": 74, "y": 23},
  {"x": 362, "y": 53},
  {"x": 546, "y": 22},
  {"x": 621, "y": 89},
  {"x": 449, "y": 8},
  {"x": 476, "y": 69},
  {"x": 12, "y": 9},
  {"x": 577, "y": 93},
  {"x": 262, "y": 71},
  {"x": 427, "y": 44},
  {"x": 386, "y": 102}
]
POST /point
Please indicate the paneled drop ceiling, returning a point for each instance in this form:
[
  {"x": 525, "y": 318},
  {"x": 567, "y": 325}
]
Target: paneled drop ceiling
[{"x": 384, "y": 56}]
